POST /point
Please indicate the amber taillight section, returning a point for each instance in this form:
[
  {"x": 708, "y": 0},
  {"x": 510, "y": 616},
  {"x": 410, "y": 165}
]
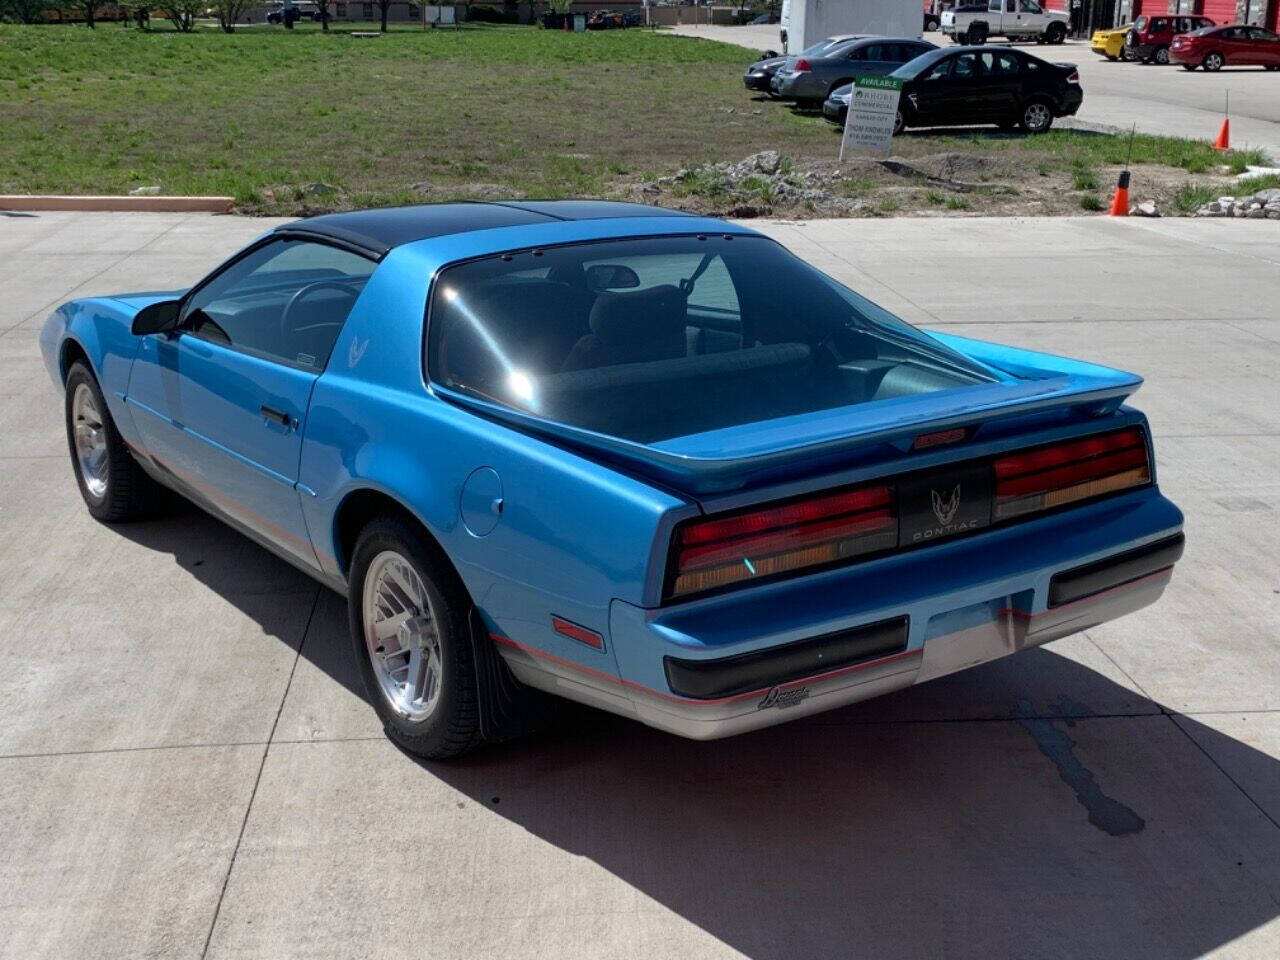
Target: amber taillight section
[
  {"x": 1066, "y": 472},
  {"x": 718, "y": 552}
]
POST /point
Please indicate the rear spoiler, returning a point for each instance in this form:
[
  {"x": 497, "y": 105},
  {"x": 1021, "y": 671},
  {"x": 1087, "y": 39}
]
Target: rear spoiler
[{"x": 734, "y": 457}]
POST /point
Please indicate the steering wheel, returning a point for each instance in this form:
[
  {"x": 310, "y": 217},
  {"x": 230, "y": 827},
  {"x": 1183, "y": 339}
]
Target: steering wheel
[{"x": 286, "y": 317}]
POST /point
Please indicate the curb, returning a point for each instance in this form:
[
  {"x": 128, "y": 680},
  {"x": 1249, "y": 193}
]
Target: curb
[{"x": 150, "y": 204}]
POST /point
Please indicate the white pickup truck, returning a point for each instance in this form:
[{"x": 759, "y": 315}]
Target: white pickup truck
[{"x": 1013, "y": 19}]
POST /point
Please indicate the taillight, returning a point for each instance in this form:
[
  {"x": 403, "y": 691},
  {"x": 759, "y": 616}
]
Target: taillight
[
  {"x": 1067, "y": 472},
  {"x": 803, "y": 66},
  {"x": 1073, "y": 76},
  {"x": 716, "y": 552}
]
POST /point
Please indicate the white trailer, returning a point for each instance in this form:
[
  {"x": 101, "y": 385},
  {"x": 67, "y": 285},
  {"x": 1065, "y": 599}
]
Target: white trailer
[{"x": 805, "y": 22}]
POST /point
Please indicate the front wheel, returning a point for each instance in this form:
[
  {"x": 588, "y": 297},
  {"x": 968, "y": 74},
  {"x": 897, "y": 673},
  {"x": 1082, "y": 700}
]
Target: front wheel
[
  {"x": 1189, "y": 67},
  {"x": 899, "y": 123},
  {"x": 1036, "y": 117},
  {"x": 408, "y": 614},
  {"x": 1056, "y": 33},
  {"x": 1213, "y": 62},
  {"x": 112, "y": 484}
]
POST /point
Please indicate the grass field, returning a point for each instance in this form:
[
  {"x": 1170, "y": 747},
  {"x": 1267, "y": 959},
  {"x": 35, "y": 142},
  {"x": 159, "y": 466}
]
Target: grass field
[{"x": 267, "y": 114}]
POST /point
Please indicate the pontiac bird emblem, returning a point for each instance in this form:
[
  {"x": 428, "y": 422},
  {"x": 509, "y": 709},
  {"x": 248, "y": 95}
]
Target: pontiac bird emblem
[
  {"x": 356, "y": 351},
  {"x": 944, "y": 510}
]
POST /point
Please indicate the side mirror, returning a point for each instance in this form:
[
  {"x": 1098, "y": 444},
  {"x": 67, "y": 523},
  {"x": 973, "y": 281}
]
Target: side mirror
[
  {"x": 157, "y": 318},
  {"x": 611, "y": 276}
]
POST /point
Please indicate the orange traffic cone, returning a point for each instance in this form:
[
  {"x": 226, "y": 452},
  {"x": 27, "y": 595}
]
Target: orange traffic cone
[
  {"x": 1224, "y": 136},
  {"x": 1120, "y": 202}
]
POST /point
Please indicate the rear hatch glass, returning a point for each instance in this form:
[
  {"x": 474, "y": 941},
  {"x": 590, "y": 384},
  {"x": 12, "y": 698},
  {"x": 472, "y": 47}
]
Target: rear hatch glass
[{"x": 661, "y": 337}]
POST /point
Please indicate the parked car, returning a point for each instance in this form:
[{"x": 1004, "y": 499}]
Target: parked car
[
  {"x": 763, "y": 19},
  {"x": 1151, "y": 37},
  {"x": 813, "y": 78},
  {"x": 973, "y": 23},
  {"x": 968, "y": 86},
  {"x": 759, "y": 75},
  {"x": 292, "y": 13},
  {"x": 1111, "y": 43},
  {"x": 645, "y": 460},
  {"x": 1216, "y": 47}
]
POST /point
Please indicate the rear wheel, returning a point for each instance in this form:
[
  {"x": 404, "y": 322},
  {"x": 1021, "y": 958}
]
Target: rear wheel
[
  {"x": 1213, "y": 62},
  {"x": 1189, "y": 67},
  {"x": 1161, "y": 56},
  {"x": 408, "y": 613},
  {"x": 1036, "y": 117},
  {"x": 112, "y": 484},
  {"x": 977, "y": 35}
]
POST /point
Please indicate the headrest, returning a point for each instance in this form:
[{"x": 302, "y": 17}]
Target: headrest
[{"x": 656, "y": 312}]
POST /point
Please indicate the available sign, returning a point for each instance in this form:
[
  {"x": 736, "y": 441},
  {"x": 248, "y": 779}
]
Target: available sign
[{"x": 868, "y": 126}]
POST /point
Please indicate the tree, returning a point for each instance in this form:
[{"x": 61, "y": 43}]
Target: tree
[
  {"x": 182, "y": 13},
  {"x": 228, "y": 12},
  {"x": 322, "y": 8},
  {"x": 383, "y": 7},
  {"x": 25, "y": 11},
  {"x": 88, "y": 7}
]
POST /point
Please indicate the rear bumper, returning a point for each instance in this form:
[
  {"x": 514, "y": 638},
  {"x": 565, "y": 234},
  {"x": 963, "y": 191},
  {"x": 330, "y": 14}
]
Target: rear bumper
[
  {"x": 1071, "y": 102},
  {"x": 801, "y": 86},
  {"x": 794, "y": 648}
]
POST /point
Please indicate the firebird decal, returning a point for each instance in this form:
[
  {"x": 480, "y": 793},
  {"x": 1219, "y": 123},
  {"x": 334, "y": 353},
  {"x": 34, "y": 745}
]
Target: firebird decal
[{"x": 944, "y": 510}]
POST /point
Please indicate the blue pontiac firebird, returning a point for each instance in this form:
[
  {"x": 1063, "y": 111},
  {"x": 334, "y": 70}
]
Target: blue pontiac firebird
[{"x": 647, "y": 461}]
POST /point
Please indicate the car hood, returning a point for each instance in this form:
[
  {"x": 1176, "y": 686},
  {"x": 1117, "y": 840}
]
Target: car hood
[{"x": 772, "y": 450}]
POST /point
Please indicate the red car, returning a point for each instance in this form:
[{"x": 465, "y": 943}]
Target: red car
[
  {"x": 1150, "y": 38},
  {"x": 1216, "y": 47}
]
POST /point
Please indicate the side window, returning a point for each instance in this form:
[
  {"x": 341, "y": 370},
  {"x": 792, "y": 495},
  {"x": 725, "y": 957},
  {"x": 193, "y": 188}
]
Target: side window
[
  {"x": 941, "y": 70},
  {"x": 993, "y": 6},
  {"x": 1006, "y": 65},
  {"x": 1030, "y": 6},
  {"x": 967, "y": 67},
  {"x": 858, "y": 53},
  {"x": 873, "y": 51},
  {"x": 1160, "y": 24},
  {"x": 1010, "y": 6},
  {"x": 286, "y": 301}
]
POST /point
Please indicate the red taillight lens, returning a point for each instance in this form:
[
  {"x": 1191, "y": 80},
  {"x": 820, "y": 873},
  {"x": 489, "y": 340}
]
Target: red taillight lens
[
  {"x": 720, "y": 551},
  {"x": 1067, "y": 472},
  {"x": 1073, "y": 77},
  {"x": 803, "y": 66}
]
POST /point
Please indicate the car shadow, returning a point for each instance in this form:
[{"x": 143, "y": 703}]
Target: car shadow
[{"x": 1030, "y": 807}]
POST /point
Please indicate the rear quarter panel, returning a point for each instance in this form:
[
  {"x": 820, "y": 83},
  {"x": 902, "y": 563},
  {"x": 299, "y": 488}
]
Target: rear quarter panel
[{"x": 571, "y": 534}]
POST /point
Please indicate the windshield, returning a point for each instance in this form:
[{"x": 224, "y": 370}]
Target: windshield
[
  {"x": 648, "y": 339},
  {"x": 913, "y": 68}
]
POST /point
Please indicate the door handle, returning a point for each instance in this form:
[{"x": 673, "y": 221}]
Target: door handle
[{"x": 279, "y": 416}]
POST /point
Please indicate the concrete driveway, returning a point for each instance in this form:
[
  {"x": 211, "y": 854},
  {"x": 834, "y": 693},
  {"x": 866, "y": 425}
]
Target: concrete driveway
[
  {"x": 1166, "y": 101},
  {"x": 188, "y": 767}
]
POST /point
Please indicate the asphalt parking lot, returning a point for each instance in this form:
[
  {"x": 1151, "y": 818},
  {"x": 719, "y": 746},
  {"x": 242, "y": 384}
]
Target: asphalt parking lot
[
  {"x": 1166, "y": 100},
  {"x": 188, "y": 767}
]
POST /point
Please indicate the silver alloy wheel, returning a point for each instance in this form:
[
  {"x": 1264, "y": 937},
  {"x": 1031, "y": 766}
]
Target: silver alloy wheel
[
  {"x": 90, "y": 435},
  {"x": 1162, "y": 56},
  {"x": 1037, "y": 117},
  {"x": 1213, "y": 61},
  {"x": 899, "y": 123},
  {"x": 401, "y": 637}
]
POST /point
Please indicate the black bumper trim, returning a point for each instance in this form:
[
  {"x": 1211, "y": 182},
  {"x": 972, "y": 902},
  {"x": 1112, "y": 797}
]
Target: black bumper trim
[
  {"x": 708, "y": 679},
  {"x": 1072, "y": 585}
]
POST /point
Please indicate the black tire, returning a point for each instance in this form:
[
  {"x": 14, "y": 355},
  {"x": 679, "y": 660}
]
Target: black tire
[
  {"x": 899, "y": 122},
  {"x": 977, "y": 35},
  {"x": 1036, "y": 116},
  {"x": 1213, "y": 61},
  {"x": 129, "y": 491},
  {"x": 1111, "y": 58},
  {"x": 453, "y": 726},
  {"x": 1189, "y": 67},
  {"x": 1055, "y": 33},
  {"x": 1161, "y": 56}
]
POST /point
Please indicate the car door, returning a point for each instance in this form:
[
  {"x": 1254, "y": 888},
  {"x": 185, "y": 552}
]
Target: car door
[
  {"x": 1264, "y": 47},
  {"x": 1234, "y": 45},
  {"x": 935, "y": 99},
  {"x": 997, "y": 93},
  {"x": 223, "y": 398}
]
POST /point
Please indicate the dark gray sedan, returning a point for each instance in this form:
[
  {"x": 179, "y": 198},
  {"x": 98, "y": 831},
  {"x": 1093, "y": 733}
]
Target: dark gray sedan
[{"x": 815, "y": 78}]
